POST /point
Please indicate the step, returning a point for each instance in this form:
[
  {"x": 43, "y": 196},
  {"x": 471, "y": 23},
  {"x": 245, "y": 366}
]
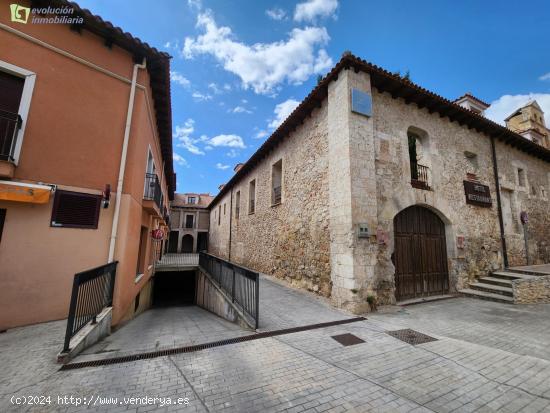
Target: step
[
  {"x": 531, "y": 270},
  {"x": 512, "y": 275},
  {"x": 491, "y": 288},
  {"x": 503, "y": 282},
  {"x": 486, "y": 296}
]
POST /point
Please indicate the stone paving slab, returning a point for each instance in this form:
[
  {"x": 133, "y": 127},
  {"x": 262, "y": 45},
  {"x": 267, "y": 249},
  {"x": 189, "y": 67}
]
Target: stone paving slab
[{"x": 478, "y": 364}]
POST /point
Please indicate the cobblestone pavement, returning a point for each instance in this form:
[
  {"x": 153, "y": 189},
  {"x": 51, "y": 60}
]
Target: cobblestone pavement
[{"x": 463, "y": 371}]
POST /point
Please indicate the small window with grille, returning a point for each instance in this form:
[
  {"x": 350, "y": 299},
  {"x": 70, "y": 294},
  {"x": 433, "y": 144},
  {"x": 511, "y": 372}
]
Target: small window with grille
[{"x": 75, "y": 210}]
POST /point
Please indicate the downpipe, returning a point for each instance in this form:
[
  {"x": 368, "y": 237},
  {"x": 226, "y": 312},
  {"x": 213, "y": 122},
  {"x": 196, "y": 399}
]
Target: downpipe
[{"x": 120, "y": 183}]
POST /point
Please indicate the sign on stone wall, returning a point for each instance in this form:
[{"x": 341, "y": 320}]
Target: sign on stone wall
[
  {"x": 361, "y": 102},
  {"x": 477, "y": 194}
]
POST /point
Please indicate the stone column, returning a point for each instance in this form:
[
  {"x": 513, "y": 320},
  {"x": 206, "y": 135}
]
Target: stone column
[{"x": 352, "y": 193}]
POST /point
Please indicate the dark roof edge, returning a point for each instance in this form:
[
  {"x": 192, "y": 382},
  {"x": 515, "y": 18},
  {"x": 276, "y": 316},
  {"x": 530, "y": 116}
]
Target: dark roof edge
[{"x": 397, "y": 86}]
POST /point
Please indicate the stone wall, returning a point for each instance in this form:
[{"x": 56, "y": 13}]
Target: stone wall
[
  {"x": 533, "y": 197},
  {"x": 532, "y": 291},
  {"x": 289, "y": 240}
]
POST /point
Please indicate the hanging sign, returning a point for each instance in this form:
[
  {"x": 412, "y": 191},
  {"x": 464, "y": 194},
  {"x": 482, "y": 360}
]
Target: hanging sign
[
  {"x": 157, "y": 234},
  {"x": 477, "y": 194}
]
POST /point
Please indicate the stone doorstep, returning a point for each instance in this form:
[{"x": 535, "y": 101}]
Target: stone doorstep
[
  {"x": 512, "y": 275},
  {"x": 503, "y": 282},
  {"x": 491, "y": 288},
  {"x": 420, "y": 300},
  {"x": 468, "y": 292},
  {"x": 88, "y": 336}
]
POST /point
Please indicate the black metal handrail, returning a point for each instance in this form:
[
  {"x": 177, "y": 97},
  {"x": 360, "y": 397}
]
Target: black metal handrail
[
  {"x": 153, "y": 190},
  {"x": 240, "y": 284},
  {"x": 92, "y": 292},
  {"x": 419, "y": 176},
  {"x": 10, "y": 123}
]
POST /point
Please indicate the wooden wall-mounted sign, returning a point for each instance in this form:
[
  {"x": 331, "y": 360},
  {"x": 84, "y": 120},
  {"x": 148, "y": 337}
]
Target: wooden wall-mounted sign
[{"x": 477, "y": 194}]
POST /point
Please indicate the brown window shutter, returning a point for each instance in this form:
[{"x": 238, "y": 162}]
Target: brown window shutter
[{"x": 75, "y": 210}]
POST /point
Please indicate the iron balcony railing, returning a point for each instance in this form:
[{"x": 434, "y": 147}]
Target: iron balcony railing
[
  {"x": 10, "y": 123},
  {"x": 153, "y": 190},
  {"x": 92, "y": 292},
  {"x": 420, "y": 176},
  {"x": 277, "y": 195},
  {"x": 240, "y": 284}
]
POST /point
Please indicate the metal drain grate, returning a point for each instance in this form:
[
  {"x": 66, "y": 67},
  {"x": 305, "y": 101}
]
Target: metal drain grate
[
  {"x": 410, "y": 336},
  {"x": 198, "y": 347},
  {"x": 348, "y": 339}
]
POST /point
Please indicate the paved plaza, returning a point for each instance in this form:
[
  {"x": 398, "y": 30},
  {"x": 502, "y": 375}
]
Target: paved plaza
[{"x": 487, "y": 357}]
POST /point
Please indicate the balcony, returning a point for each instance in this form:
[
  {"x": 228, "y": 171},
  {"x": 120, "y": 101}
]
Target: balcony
[
  {"x": 153, "y": 194},
  {"x": 276, "y": 195},
  {"x": 420, "y": 176},
  {"x": 10, "y": 123}
]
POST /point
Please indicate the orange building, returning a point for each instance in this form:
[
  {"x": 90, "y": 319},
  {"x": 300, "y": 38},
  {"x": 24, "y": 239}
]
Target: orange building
[{"x": 84, "y": 107}]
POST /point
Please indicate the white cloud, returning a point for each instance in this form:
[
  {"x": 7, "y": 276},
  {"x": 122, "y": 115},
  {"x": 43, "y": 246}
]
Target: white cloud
[
  {"x": 261, "y": 134},
  {"x": 262, "y": 66},
  {"x": 201, "y": 97},
  {"x": 276, "y": 13},
  {"x": 233, "y": 153},
  {"x": 180, "y": 160},
  {"x": 504, "y": 106},
  {"x": 185, "y": 140},
  {"x": 312, "y": 9},
  {"x": 222, "y": 167},
  {"x": 240, "y": 109},
  {"x": 230, "y": 141},
  {"x": 178, "y": 78},
  {"x": 282, "y": 110},
  {"x": 545, "y": 76},
  {"x": 214, "y": 88},
  {"x": 195, "y": 4}
]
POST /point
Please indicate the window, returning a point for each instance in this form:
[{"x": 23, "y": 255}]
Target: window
[
  {"x": 2, "y": 220},
  {"x": 419, "y": 173},
  {"x": 16, "y": 86},
  {"x": 521, "y": 177},
  {"x": 219, "y": 214},
  {"x": 237, "y": 204},
  {"x": 542, "y": 194},
  {"x": 140, "y": 264},
  {"x": 252, "y": 197},
  {"x": 276, "y": 182},
  {"x": 75, "y": 210},
  {"x": 224, "y": 209},
  {"x": 189, "y": 221},
  {"x": 191, "y": 200}
]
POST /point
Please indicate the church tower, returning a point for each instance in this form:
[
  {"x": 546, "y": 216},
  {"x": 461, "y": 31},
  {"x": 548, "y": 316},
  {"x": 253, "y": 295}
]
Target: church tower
[{"x": 529, "y": 122}]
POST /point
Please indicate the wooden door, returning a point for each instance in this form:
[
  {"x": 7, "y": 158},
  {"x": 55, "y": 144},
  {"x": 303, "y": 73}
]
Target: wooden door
[{"x": 420, "y": 256}]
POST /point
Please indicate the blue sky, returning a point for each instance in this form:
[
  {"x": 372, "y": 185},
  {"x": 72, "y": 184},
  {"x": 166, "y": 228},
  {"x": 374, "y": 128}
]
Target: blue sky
[{"x": 239, "y": 67}]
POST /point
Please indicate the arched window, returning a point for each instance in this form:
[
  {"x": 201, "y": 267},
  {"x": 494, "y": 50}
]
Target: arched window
[{"x": 419, "y": 162}]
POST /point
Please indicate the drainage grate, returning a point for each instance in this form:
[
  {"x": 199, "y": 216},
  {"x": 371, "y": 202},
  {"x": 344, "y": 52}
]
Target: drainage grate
[
  {"x": 410, "y": 336},
  {"x": 199, "y": 347},
  {"x": 348, "y": 339}
]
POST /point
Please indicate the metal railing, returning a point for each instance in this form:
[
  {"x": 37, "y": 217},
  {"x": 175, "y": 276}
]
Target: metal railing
[
  {"x": 277, "y": 195},
  {"x": 240, "y": 284},
  {"x": 92, "y": 292},
  {"x": 419, "y": 176},
  {"x": 10, "y": 123},
  {"x": 153, "y": 190},
  {"x": 251, "y": 207}
]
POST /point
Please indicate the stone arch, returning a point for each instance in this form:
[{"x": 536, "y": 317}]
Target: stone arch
[{"x": 187, "y": 242}]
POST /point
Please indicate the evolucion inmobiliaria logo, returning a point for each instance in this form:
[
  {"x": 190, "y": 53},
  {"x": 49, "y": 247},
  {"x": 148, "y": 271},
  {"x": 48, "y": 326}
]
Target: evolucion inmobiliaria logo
[{"x": 44, "y": 15}]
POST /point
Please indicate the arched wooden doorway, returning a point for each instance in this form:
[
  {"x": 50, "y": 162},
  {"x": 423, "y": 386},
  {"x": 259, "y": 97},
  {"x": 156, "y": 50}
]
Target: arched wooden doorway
[
  {"x": 187, "y": 243},
  {"x": 420, "y": 255},
  {"x": 173, "y": 241}
]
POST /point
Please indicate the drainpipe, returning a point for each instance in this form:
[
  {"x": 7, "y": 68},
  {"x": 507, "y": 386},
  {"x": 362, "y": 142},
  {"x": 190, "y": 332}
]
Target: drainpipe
[
  {"x": 499, "y": 205},
  {"x": 230, "y": 221},
  {"x": 122, "y": 167}
]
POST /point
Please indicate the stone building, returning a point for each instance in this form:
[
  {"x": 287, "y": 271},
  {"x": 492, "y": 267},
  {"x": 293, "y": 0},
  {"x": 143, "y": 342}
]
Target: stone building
[
  {"x": 529, "y": 122},
  {"x": 189, "y": 222},
  {"x": 374, "y": 186}
]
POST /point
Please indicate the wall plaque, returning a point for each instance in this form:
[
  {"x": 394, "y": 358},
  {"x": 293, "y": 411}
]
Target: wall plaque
[
  {"x": 361, "y": 102},
  {"x": 477, "y": 194}
]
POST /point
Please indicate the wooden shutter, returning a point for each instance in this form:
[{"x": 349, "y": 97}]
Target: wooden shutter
[{"x": 75, "y": 210}]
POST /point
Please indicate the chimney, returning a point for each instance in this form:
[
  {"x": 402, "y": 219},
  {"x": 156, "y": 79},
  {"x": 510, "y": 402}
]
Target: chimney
[
  {"x": 470, "y": 102},
  {"x": 238, "y": 167}
]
